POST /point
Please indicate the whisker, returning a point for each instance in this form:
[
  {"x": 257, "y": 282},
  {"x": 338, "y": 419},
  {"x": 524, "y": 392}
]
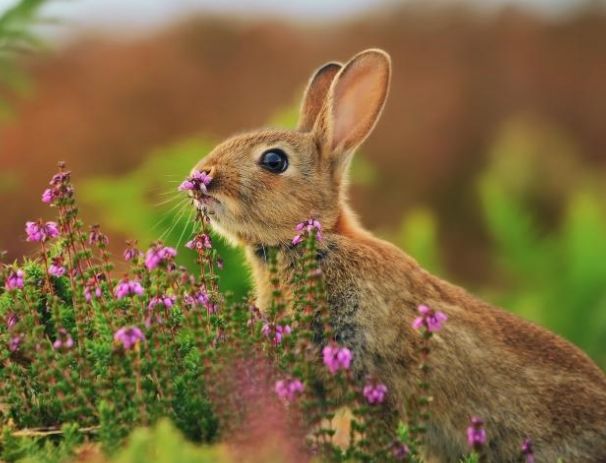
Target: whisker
[
  {"x": 167, "y": 215},
  {"x": 175, "y": 222},
  {"x": 185, "y": 226},
  {"x": 166, "y": 201}
]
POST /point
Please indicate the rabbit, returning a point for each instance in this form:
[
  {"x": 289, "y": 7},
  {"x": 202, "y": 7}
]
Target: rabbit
[{"x": 521, "y": 379}]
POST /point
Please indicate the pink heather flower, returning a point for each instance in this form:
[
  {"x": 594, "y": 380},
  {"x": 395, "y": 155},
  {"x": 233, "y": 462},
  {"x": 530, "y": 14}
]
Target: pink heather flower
[
  {"x": 64, "y": 340},
  {"x": 15, "y": 280},
  {"x": 59, "y": 178},
  {"x": 432, "y": 320},
  {"x": 306, "y": 228},
  {"x": 375, "y": 393},
  {"x": 92, "y": 289},
  {"x": 56, "y": 270},
  {"x": 40, "y": 232},
  {"x": 200, "y": 241},
  {"x": 527, "y": 451},
  {"x": 157, "y": 255},
  {"x": 128, "y": 288},
  {"x": 15, "y": 343},
  {"x": 288, "y": 389},
  {"x": 336, "y": 358},
  {"x": 47, "y": 196},
  {"x": 129, "y": 337},
  {"x": 476, "y": 434},
  {"x": 199, "y": 298},
  {"x": 277, "y": 333},
  {"x": 11, "y": 320},
  {"x": 96, "y": 237},
  {"x": 166, "y": 301},
  {"x": 400, "y": 451},
  {"x": 131, "y": 252},
  {"x": 198, "y": 181}
]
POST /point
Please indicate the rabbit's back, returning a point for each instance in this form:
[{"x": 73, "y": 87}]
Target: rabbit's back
[{"x": 523, "y": 380}]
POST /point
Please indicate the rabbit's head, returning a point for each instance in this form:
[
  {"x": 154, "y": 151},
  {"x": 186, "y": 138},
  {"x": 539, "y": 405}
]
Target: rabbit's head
[{"x": 265, "y": 182}]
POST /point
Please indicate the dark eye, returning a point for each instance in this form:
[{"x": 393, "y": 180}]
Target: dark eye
[{"x": 274, "y": 160}]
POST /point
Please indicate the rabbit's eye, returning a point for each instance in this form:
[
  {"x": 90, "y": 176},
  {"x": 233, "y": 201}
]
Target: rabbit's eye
[{"x": 274, "y": 160}]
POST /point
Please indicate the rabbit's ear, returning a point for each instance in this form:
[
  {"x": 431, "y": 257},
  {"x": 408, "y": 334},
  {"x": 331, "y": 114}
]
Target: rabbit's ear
[
  {"x": 315, "y": 94},
  {"x": 354, "y": 102}
]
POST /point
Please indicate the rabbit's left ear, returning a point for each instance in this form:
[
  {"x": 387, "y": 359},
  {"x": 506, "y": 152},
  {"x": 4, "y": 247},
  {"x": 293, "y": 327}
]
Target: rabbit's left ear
[
  {"x": 354, "y": 103},
  {"x": 315, "y": 94}
]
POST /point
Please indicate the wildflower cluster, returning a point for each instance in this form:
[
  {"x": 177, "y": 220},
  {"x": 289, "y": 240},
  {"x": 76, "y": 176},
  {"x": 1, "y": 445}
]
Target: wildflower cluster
[{"x": 102, "y": 353}]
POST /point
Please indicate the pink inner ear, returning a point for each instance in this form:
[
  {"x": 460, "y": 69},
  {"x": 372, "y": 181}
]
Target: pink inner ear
[{"x": 357, "y": 102}]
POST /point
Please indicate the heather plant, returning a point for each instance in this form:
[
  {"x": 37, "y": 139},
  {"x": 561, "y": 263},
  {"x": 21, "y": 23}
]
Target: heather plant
[{"x": 89, "y": 354}]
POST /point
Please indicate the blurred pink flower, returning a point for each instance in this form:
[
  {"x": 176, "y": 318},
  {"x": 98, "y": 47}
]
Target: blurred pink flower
[
  {"x": 129, "y": 336},
  {"x": 40, "y": 231},
  {"x": 375, "y": 393},
  {"x": 336, "y": 358},
  {"x": 432, "y": 320},
  {"x": 289, "y": 389}
]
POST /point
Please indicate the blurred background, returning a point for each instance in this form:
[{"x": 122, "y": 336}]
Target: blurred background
[{"x": 488, "y": 165}]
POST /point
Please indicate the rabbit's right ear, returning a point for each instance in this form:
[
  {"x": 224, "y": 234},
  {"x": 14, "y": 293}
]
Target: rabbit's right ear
[
  {"x": 353, "y": 104},
  {"x": 315, "y": 94}
]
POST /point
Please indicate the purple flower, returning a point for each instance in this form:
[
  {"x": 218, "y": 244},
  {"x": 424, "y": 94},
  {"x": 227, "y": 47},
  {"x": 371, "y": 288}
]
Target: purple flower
[
  {"x": 129, "y": 337},
  {"x": 92, "y": 289},
  {"x": 59, "y": 178},
  {"x": 64, "y": 340},
  {"x": 307, "y": 227},
  {"x": 476, "y": 434},
  {"x": 15, "y": 280},
  {"x": 157, "y": 255},
  {"x": 40, "y": 232},
  {"x": 11, "y": 320},
  {"x": 47, "y": 196},
  {"x": 199, "y": 298},
  {"x": 336, "y": 358},
  {"x": 166, "y": 301},
  {"x": 289, "y": 389},
  {"x": 131, "y": 252},
  {"x": 527, "y": 451},
  {"x": 96, "y": 237},
  {"x": 400, "y": 451},
  {"x": 275, "y": 333},
  {"x": 15, "y": 343},
  {"x": 198, "y": 181},
  {"x": 432, "y": 320},
  {"x": 375, "y": 393},
  {"x": 56, "y": 269},
  {"x": 200, "y": 241},
  {"x": 128, "y": 288}
]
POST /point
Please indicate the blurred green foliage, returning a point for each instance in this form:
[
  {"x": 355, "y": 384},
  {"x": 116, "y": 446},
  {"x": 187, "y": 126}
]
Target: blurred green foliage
[
  {"x": 165, "y": 444},
  {"x": 554, "y": 275},
  {"x": 16, "y": 38}
]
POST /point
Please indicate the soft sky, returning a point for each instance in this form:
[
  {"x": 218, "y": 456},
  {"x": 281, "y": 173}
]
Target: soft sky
[{"x": 140, "y": 14}]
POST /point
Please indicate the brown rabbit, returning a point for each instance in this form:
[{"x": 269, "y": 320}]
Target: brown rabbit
[{"x": 523, "y": 380}]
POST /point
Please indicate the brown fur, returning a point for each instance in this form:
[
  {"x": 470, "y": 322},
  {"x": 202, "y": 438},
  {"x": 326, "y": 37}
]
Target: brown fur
[{"x": 523, "y": 380}]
